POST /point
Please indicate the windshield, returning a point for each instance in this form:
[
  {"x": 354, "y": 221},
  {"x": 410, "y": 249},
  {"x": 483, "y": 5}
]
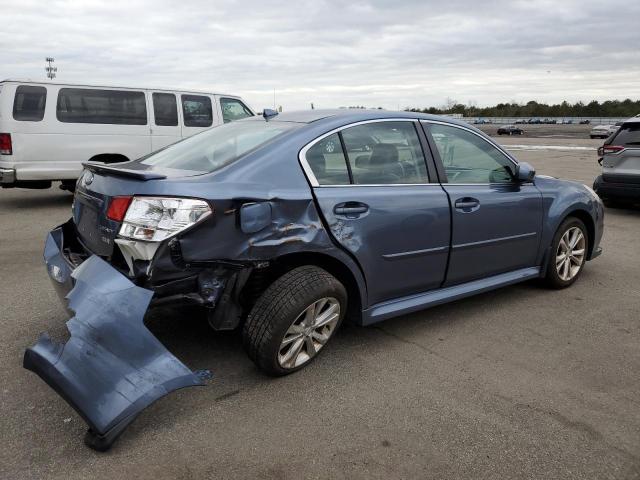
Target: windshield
[{"x": 217, "y": 147}]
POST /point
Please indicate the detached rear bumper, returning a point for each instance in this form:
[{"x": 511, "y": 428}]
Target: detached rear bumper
[
  {"x": 59, "y": 266},
  {"x": 112, "y": 367}
]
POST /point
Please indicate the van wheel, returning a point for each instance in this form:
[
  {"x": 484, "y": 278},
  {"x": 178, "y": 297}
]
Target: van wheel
[
  {"x": 568, "y": 254},
  {"x": 294, "y": 319}
]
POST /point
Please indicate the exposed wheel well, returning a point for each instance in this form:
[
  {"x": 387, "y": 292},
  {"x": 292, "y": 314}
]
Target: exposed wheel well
[
  {"x": 588, "y": 222},
  {"x": 109, "y": 158},
  {"x": 262, "y": 278}
]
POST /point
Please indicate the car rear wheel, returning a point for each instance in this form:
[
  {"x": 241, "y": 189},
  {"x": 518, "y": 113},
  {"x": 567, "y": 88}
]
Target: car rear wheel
[
  {"x": 294, "y": 319},
  {"x": 568, "y": 254}
]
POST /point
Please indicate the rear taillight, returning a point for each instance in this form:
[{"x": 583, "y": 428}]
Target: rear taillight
[
  {"x": 118, "y": 208},
  {"x": 5, "y": 144},
  {"x": 609, "y": 149},
  {"x": 154, "y": 219}
]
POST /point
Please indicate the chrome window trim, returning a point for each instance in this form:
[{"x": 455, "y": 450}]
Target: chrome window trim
[
  {"x": 488, "y": 140},
  {"x": 302, "y": 156}
]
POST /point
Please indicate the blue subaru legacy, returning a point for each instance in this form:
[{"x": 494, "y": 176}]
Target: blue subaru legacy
[{"x": 283, "y": 226}]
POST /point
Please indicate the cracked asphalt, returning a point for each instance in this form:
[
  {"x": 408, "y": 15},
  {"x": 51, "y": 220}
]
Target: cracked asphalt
[{"x": 521, "y": 382}]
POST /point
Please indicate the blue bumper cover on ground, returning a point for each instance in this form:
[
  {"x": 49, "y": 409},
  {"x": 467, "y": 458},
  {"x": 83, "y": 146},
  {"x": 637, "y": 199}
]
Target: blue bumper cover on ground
[{"x": 112, "y": 367}]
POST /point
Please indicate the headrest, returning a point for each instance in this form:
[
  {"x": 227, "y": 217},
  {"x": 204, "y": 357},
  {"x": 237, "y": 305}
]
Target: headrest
[{"x": 383, "y": 154}]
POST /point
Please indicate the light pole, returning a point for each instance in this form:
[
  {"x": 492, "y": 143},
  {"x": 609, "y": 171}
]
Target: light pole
[{"x": 51, "y": 71}]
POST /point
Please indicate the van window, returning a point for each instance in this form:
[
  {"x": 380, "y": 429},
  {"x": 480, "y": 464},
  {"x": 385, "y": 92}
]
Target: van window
[
  {"x": 117, "y": 107},
  {"x": 29, "y": 102},
  {"x": 165, "y": 109},
  {"x": 233, "y": 109},
  {"x": 197, "y": 111}
]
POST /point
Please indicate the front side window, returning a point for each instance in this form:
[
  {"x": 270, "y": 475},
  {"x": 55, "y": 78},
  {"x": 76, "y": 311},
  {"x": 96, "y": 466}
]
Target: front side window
[
  {"x": 385, "y": 153},
  {"x": 233, "y": 109},
  {"x": 468, "y": 158},
  {"x": 165, "y": 109},
  {"x": 29, "y": 103},
  {"x": 327, "y": 161},
  {"x": 197, "y": 111},
  {"x": 215, "y": 148},
  {"x": 115, "y": 107}
]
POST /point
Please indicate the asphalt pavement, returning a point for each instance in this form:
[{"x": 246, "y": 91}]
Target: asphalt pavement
[{"x": 521, "y": 382}]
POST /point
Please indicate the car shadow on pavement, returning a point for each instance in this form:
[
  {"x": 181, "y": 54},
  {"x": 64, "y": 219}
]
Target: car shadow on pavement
[
  {"x": 45, "y": 199},
  {"x": 187, "y": 335}
]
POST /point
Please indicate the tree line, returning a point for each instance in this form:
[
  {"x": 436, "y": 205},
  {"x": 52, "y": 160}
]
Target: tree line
[{"x": 609, "y": 108}]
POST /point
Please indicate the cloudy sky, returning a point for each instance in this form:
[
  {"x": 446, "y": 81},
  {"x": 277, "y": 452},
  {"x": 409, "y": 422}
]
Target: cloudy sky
[{"x": 389, "y": 53}]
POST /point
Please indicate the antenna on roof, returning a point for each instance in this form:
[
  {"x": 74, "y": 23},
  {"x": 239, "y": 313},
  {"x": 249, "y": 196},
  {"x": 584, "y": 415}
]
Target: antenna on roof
[{"x": 267, "y": 113}]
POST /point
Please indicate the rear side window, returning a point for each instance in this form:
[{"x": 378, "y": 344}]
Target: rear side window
[
  {"x": 29, "y": 103},
  {"x": 327, "y": 161},
  {"x": 165, "y": 109},
  {"x": 628, "y": 135},
  {"x": 116, "y": 107},
  {"x": 385, "y": 153},
  {"x": 233, "y": 109},
  {"x": 197, "y": 111}
]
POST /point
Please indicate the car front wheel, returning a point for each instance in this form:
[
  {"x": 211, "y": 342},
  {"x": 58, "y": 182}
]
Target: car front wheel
[
  {"x": 294, "y": 319},
  {"x": 568, "y": 254}
]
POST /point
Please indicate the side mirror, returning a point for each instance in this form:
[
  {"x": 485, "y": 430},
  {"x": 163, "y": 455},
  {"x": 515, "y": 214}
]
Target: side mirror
[{"x": 525, "y": 172}]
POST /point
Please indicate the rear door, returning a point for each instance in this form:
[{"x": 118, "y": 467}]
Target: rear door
[
  {"x": 198, "y": 113},
  {"x": 378, "y": 200},
  {"x": 623, "y": 164},
  {"x": 165, "y": 127},
  {"x": 496, "y": 221}
]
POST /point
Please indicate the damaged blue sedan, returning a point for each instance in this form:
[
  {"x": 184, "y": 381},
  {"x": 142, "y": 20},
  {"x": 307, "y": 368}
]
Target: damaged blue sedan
[{"x": 283, "y": 226}]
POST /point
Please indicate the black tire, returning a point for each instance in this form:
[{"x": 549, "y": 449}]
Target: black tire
[
  {"x": 279, "y": 307},
  {"x": 552, "y": 278}
]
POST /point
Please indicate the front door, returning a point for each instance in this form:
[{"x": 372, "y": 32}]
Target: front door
[
  {"x": 496, "y": 221},
  {"x": 372, "y": 187}
]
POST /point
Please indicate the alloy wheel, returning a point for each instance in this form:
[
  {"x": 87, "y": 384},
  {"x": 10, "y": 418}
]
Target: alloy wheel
[
  {"x": 570, "y": 253},
  {"x": 309, "y": 332}
]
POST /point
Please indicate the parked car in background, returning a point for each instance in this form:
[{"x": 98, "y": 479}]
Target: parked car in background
[
  {"x": 259, "y": 225},
  {"x": 604, "y": 131},
  {"x": 585, "y": 122},
  {"x": 510, "y": 130},
  {"x": 48, "y": 129},
  {"x": 620, "y": 160}
]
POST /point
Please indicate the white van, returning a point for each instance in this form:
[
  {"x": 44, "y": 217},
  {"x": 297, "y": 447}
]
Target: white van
[{"x": 48, "y": 129}]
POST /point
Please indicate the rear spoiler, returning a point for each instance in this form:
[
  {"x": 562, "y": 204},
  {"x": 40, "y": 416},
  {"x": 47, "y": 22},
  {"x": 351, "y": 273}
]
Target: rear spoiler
[{"x": 123, "y": 172}]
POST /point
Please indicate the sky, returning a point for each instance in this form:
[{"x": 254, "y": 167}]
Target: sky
[{"x": 374, "y": 53}]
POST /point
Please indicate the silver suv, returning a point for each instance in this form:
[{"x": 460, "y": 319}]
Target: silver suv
[{"x": 620, "y": 160}]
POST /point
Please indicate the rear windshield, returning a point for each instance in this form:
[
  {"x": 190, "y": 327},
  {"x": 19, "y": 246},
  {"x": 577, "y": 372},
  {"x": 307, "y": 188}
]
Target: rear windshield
[
  {"x": 217, "y": 147},
  {"x": 628, "y": 135}
]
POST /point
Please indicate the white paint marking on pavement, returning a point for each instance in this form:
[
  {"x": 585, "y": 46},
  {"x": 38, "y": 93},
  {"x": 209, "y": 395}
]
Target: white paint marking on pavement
[{"x": 549, "y": 147}]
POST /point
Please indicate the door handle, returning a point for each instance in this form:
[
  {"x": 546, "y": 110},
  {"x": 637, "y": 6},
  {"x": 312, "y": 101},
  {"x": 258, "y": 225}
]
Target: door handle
[
  {"x": 351, "y": 209},
  {"x": 467, "y": 204}
]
